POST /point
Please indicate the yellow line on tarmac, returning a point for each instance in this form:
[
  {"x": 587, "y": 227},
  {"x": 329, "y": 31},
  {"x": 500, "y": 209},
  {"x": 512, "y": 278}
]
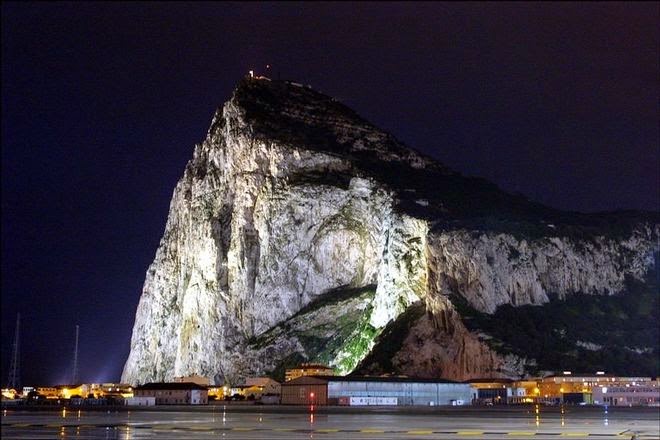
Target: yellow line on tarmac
[
  {"x": 420, "y": 432},
  {"x": 201, "y": 428},
  {"x": 470, "y": 432},
  {"x": 242, "y": 429},
  {"x": 575, "y": 434},
  {"x": 526, "y": 433},
  {"x": 326, "y": 430},
  {"x": 372, "y": 431},
  {"x": 20, "y": 425},
  {"x": 283, "y": 429}
]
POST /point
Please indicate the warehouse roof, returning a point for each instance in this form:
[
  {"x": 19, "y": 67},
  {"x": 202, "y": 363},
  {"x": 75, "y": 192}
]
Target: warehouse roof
[
  {"x": 371, "y": 379},
  {"x": 171, "y": 386},
  {"x": 489, "y": 380}
]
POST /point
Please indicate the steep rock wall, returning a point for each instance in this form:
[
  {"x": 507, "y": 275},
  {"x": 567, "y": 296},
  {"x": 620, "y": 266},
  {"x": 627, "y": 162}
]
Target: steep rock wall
[
  {"x": 260, "y": 229},
  {"x": 256, "y": 232},
  {"x": 490, "y": 270}
]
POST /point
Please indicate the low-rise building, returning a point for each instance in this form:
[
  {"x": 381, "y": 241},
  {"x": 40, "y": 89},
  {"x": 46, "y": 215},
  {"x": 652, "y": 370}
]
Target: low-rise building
[
  {"x": 256, "y": 387},
  {"x": 75, "y": 390},
  {"x": 640, "y": 394},
  {"x": 530, "y": 388},
  {"x": 141, "y": 401},
  {"x": 576, "y": 398},
  {"x": 266, "y": 385},
  {"x": 110, "y": 389},
  {"x": 308, "y": 370},
  {"x": 26, "y": 391},
  {"x": 173, "y": 393},
  {"x": 556, "y": 386},
  {"x": 218, "y": 392},
  {"x": 9, "y": 393},
  {"x": 494, "y": 390},
  {"x": 48, "y": 392},
  {"x": 249, "y": 392},
  {"x": 356, "y": 390}
]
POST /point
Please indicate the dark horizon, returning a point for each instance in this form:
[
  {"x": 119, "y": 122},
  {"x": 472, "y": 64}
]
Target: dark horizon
[{"x": 103, "y": 103}]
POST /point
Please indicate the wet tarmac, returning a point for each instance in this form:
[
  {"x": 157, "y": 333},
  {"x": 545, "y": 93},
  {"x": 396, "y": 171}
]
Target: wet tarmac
[{"x": 229, "y": 422}]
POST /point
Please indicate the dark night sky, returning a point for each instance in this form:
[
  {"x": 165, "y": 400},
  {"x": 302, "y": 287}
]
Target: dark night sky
[{"x": 102, "y": 103}]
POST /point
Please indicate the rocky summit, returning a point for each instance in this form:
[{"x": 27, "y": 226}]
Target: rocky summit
[{"x": 301, "y": 232}]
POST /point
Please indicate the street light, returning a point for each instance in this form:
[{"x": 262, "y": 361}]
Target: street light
[{"x": 311, "y": 403}]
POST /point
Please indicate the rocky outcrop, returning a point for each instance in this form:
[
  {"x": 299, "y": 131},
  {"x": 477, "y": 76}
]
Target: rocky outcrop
[
  {"x": 289, "y": 238},
  {"x": 494, "y": 269},
  {"x": 427, "y": 351}
]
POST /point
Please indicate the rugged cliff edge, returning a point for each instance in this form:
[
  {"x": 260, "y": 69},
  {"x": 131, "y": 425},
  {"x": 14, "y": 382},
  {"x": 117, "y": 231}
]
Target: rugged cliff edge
[{"x": 299, "y": 231}]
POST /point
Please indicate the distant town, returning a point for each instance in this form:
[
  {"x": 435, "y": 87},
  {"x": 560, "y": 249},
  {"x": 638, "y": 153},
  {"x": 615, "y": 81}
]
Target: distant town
[{"x": 315, "y": 384}]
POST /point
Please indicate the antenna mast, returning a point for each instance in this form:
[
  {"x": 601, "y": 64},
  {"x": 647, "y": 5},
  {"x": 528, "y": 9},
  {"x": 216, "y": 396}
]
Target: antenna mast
[
  {"x": 74, "y": 378},
  {"x": 14, "y": 369}
]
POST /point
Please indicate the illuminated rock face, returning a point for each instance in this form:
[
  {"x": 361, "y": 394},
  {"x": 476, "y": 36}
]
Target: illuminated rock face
[
  {"x": 489, "y": 270},
  {"x": 283, "y": 244}
]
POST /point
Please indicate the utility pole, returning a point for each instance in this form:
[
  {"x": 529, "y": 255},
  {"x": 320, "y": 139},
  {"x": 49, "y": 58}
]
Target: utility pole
[
  {"x": 74, "y": 376},
  {"x": 14, "y": 369}
]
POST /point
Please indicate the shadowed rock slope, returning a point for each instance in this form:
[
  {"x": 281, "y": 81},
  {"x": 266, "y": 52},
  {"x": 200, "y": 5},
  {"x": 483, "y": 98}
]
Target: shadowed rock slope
[{"x": 299, "y": 231}]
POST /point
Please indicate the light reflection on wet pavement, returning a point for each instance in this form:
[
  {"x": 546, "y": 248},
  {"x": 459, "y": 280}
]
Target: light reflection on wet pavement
[{"x": 289, "y": 423}]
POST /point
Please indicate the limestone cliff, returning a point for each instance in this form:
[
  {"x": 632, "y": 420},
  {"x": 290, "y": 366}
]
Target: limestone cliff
[{"x": 299, "y": 231}]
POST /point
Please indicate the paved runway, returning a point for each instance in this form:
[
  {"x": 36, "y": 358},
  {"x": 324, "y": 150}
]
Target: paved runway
[{"x": 336, "y": 423}]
